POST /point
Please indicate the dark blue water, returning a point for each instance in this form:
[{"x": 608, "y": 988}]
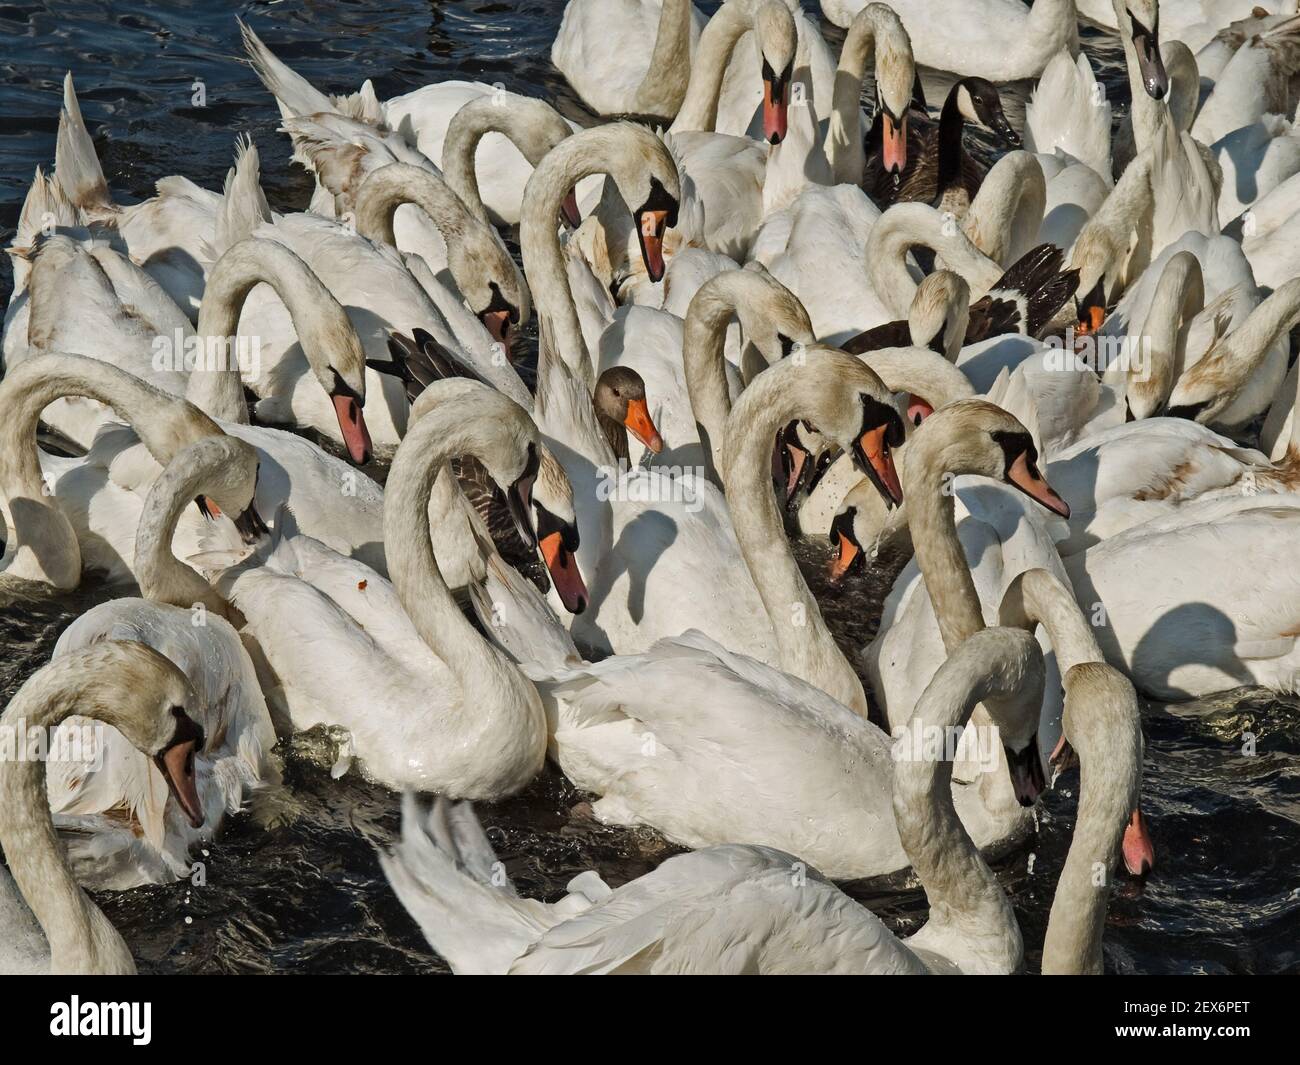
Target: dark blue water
[{"x": 293, "y": 885}]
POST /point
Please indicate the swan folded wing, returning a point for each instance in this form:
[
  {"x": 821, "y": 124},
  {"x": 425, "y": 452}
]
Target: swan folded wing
[
  {"x": 709, "y": 747},
  {"x": 730, "y": 909}
]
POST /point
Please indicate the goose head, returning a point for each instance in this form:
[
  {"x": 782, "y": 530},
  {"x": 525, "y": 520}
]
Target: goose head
[
  {"x": 541, "y": 502},
  {"x": 978, "y": 101},
  {"x": 1140, "y": 19},
  {"x": 973, "y": 436},
  {"x": 230, "y": 482},
  {"x": 620, "y": 397},
  {"x": 777, "y": 39}
]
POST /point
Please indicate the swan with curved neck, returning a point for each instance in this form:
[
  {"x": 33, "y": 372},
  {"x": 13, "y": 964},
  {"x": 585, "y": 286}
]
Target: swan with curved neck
[
  {"x": 764, "y": 306},
  {"x": 876, "y": 34},
  {"x": 140, "y": 693},
  {"x": 221, "y": 473},
  {"x": 908, "y": 225},
  {"x": 40, "y": 544},
  {"x": 646, "y": 177},
  {"x": 486, "y": 276},
  {"x": 124, "y": 833},
  {"x": 851, "y": 405},
  {"x": 1208, "y": 387},
  {"x": 482, "y": 731},
  {"x": 744, "y": 896},
  {"x": 1179, "y": 297},
  {"x": 327, "y": 337},
  {"x": 774, "y": 27}
]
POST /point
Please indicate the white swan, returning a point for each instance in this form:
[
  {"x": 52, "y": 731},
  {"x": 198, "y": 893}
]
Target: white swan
[
  {"x": 63, "y": 515},
  {"x": 1002, "y": 40},
  {"x": 120, "y": 829},
  {"x": 628, "y": 57},
  {"x": 49, "y": 925},
  {"x": 757, "y": 910},
  {"x": 490, "y": 159},
  {"x": 398, "y": 665},
  {"x": 960, "y": 573}
]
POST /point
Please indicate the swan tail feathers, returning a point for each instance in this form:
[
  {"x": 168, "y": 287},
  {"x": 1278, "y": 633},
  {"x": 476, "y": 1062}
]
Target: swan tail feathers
[
  {"x": 76, "y": 166},
  {"x": 294, "y": 93},
  {"x": 446, "y": 874},
  {"x": 243, "y": 203}
]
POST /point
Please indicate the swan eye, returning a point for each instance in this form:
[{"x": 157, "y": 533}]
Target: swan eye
[{"x": 787, "y": 344}]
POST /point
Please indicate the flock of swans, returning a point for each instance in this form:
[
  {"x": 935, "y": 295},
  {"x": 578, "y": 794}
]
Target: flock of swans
[{"x": 764, "y": 310}]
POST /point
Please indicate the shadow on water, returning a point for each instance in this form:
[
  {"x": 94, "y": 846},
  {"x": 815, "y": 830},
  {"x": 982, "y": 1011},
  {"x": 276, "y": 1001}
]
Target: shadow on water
[{"x": 293, "y": 884}]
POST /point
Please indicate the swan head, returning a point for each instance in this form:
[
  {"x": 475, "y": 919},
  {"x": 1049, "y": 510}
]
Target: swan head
[
  {"x": 229, "y": 482},
  {"x": 150, "y": 701},
  {"x": 844, "y": 400},
  {"x": 773, "y": 318},
  {"x": 621, "y": 397},
  {"x": 978, "y": 101},
  {"x": 657, "y": 214},
  {"x": 777, "y": 40},
  {"x": 973, "y": 436},
  {"x": 939, "y": 313},
  {"x": 489, "y": 280},
  {"x": 851, "y": 528},
  {"x": 1141, "y": 19},
  {"x": 895, "y": 80},
  {"x": 541, "y": 503}
]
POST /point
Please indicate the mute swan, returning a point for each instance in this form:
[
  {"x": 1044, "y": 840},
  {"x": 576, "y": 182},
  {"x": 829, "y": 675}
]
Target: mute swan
[
  {"x": 1002, "y": 40},
  {"x": 122, "y": 831},
  {"x": 596, "y": 39},
  {"x": 413, "y": 208},
  {"x": 941, "y": 172},
  {"x": 49, "y": 924},
  {"x": 748, "y": 909},
  {"x": 941, "y": 597},
  {"x": 397, "y": 665},
  {"x": 1170, "y": 594},
  {"x": 491, "y": 157},
  {"x": 104, "y": 324},
  {"x": 875, "y": 34},
  {"x": 45, "y": 500}
]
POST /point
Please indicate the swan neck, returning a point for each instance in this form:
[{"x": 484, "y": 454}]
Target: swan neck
[
  {"x": 560, "y": 170},
  {"x": 939, "y": 556},
  {"x": 162, "y": 577},
  {"x": 703, "y": 353},
  {"x": 661, "y": 92},
  {"x": 1037, "y": 597},
  {"x": 74, "y": 927},
  {"x": 699, "y": 110},
  {"x": 808, "y": 650},
  {"x": 844, "y": 137},
  {"x": 964, "y": 896},
  {"x": 467, "y": 127},
  {"x": 387, "y": 188},
  {"x": 1101, "y": 721}
]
